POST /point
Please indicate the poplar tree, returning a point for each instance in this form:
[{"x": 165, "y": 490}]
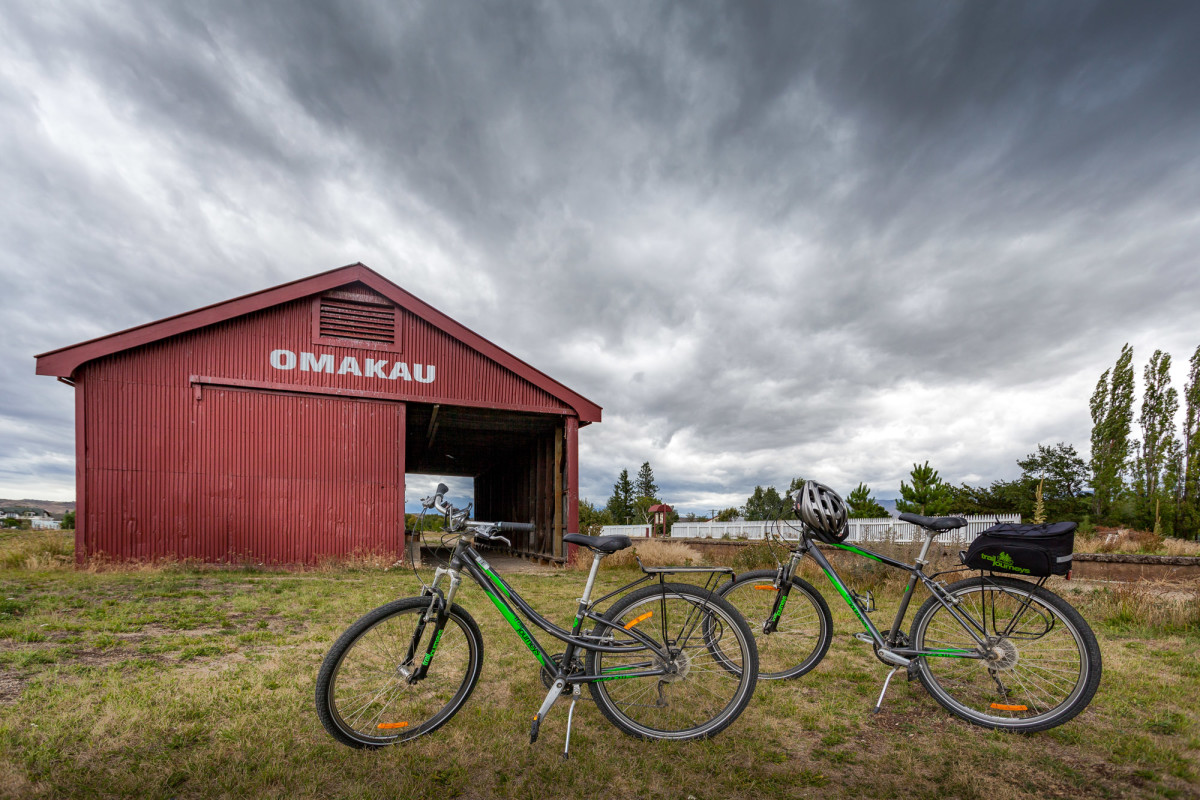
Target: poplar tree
[
  {"x": 1188, "y": 522},
  {"x": 1160, "y": 402},
  {"x": 1112, "y": 416}
]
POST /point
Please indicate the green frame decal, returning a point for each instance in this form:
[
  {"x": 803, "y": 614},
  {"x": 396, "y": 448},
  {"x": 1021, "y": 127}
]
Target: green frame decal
[
  {"x": 849, "y": 600},
  {"x": 851, "y": 548},
  {"x": 512, "y": 619},
  {"x": 779, "y": 610}
]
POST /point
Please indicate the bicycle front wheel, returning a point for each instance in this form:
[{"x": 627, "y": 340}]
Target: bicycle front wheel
[
  {"x": 1039, "y": 664},
  {"x": 704, "y": 654},
  {"x": 366, "y": 692},
  {"x": 802, "y": 632}
]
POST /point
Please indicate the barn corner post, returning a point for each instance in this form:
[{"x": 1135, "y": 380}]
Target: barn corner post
[
  {"x": 81, "y": 525},
  {"x": 572, "y": 493}
]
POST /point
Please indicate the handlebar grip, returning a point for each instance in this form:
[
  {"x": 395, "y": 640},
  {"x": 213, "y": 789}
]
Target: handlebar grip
[{"x": 516, "y": 527}]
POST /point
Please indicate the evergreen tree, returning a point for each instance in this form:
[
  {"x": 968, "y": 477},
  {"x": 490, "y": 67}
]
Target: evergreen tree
[
  {"x": 764, "y": 504},
  {"x": 928, "y": 495},
  {"x": 1159, "y": 404},
  {"x": 1112, "y": 416},
  {"x": 620, "y": 504},
  {"x": 1065, "y": 475},
  {"x": 863, "y": 506},
  {"x": 645, "y": 485},
  {"x": 1188, "y": 523}
]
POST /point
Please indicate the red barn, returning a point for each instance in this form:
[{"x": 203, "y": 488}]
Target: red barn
[{"x": 277, "y": 427}]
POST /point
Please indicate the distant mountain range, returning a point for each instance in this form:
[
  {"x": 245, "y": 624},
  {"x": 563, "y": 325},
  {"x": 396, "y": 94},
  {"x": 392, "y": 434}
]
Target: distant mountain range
[{"x": 55, "y": 507}]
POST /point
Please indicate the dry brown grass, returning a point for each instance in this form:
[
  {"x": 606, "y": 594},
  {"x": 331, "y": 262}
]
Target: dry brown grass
[
  {"x": 652, "y": 552},
  {"x": 1159, "y": 608},
  {"x": 1126, "y": 540},
  {"x": 1119, "y": 540},
  {"x": 37, "y": 550},
  {"x": 1181, "y": 547}
]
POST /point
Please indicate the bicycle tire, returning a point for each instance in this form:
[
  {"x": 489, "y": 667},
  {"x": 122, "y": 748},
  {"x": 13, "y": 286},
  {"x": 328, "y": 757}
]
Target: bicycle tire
[
  {"x": 701, "y": 696},
  {"x": 1037, "y": 676},
  {"x": 803, "y": 631},
  {"x": 360, "y": 690}
]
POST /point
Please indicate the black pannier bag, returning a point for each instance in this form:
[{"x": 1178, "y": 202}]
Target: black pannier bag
[{"x": 1033, "y": 550}]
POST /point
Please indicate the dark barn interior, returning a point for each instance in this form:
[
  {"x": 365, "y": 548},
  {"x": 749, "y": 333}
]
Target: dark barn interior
[{"x": 518, "y": 462}]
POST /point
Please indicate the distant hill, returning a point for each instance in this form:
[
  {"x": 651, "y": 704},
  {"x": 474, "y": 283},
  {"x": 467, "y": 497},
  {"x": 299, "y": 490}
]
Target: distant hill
[{"x": 55, "y": 507}]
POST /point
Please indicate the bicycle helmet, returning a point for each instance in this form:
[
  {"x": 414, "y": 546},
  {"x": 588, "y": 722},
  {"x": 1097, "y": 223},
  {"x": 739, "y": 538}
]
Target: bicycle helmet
[{"x": 823, "y": 511}]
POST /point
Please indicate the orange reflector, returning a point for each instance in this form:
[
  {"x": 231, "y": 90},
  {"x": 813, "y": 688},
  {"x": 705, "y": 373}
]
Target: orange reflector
[
  {"x": 765, "y": 588},
  {"x": 390, "y": 726},
  {"x": 1002, "y": 707},
  {"x": 636, "y": 620}
]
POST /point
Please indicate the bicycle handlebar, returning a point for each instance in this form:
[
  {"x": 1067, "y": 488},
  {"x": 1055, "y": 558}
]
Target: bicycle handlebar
[
  {"x": 515, "y": 527},
  {"x": 439, "y": 504}
]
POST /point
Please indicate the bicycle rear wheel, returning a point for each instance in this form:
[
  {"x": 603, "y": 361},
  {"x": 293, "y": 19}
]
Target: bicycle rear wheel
[
  {"x": 1040, "y": 666},
  {"x": 802, "y": 633},
  {"x": 365, "y": 695},
  {"x": 703, "y": 646}
]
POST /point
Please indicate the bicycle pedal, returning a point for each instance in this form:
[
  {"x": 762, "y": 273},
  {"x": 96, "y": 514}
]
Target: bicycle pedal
[{"x": 533, "y": 729}]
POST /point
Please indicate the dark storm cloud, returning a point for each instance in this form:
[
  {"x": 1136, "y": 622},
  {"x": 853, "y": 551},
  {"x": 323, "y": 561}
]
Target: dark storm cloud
[{"x": 770, "y": 239}]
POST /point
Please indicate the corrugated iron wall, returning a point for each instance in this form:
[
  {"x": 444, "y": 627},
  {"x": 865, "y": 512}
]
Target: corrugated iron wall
[{"x": 207, "y": 446}]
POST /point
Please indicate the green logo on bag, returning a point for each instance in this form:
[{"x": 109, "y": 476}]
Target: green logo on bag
[{"x": 1003, "y": 561}]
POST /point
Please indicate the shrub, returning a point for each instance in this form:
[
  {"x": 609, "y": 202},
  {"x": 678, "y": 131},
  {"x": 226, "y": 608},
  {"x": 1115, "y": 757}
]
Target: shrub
[{"x": 754, "y": 556}]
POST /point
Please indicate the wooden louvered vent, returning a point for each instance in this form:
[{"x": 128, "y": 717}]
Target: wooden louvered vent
[{"x": 344, "y": 319}]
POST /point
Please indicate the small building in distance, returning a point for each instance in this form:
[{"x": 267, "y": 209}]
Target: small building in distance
[{"x": 277, "y": 427}]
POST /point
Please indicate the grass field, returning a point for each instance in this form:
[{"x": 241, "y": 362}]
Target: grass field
[{"x": 186, "y": 682}]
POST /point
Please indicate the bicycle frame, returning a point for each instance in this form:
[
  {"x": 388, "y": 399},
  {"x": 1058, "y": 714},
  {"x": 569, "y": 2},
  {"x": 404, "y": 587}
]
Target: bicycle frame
[
  {"x": 890, "y": 643},
  {"x": 509, "y": 603}
]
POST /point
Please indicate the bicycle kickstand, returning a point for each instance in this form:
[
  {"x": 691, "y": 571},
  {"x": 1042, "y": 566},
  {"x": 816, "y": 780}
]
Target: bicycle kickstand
[
  {"x": 551, "y": 696},
  {"x": 886, "y": 681},
  {"x": 575, "y": 692}
]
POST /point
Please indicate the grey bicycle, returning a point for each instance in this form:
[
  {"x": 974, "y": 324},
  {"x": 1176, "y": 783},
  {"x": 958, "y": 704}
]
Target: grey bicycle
[
  {"x": 997, "y": 651},
  {"x": 666, "y": 661}
]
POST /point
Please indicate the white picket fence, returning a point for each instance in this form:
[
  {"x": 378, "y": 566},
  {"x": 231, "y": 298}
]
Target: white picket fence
[
  {"x": 885, "y": 529},
  {"x": 632, "y": 531}
]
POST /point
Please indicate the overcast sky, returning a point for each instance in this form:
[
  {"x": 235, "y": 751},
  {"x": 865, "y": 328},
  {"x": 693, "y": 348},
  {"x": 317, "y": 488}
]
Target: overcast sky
[{"x": 823, "y": 239}]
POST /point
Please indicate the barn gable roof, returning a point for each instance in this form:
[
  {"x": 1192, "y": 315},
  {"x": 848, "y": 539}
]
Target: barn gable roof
[{"x": 64, "y": 361}]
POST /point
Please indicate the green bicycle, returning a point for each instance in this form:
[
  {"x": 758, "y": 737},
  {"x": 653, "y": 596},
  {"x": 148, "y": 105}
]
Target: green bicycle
[
  {"x": 999, "y": 652},
  {"x": 666, "y": 661}
]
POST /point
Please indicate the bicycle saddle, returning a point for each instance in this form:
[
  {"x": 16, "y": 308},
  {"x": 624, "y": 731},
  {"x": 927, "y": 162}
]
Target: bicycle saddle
[
  {"x": 601, "y": 544},
  {"x": 935, "y": 523}
]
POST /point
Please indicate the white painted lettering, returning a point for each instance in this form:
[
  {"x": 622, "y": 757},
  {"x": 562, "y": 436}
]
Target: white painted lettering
[
  {"x": 312, "y": 363},
  {"x": 374, "y": 368},
  {"x": 283, "y": 359}
]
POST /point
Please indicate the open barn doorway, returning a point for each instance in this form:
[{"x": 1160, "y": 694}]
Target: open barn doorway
[{"x": 515, "y": 464}]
